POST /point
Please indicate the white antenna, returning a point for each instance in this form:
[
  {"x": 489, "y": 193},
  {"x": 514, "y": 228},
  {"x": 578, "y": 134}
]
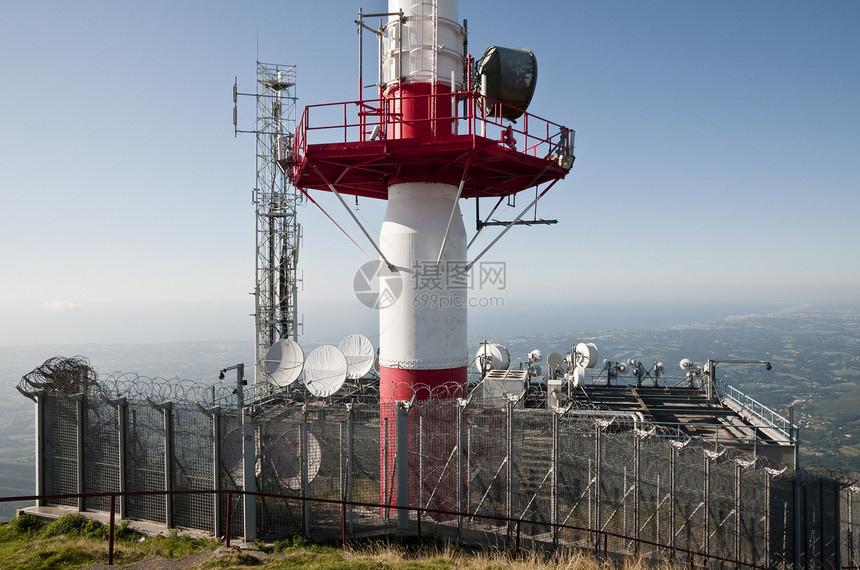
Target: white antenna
[
  {"x": 491, "y": 356},
  {"x": 359, "y": 353},
  {"x": 283, "y": 362},
  {"x": 325, "y": 371},
  {"x": 585, "y": 355},
  {"x": 578, "y": 378},
  {"x": 553, "y": 364}
]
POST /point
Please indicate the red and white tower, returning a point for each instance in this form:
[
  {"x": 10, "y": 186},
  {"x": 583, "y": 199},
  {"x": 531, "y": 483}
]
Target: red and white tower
[
  {"x": 422, "y": 336},
  {"x": 429, "y": 140}
]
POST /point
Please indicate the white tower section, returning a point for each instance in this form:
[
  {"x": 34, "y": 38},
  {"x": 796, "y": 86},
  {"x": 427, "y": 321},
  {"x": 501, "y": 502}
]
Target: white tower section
[
  {"x": 423, "y": 334},
  {"x": 427, "y": 47},
  {"x": 426, "y": 328}
]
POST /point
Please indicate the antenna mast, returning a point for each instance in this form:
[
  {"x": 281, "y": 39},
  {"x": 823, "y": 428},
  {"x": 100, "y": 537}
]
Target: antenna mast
[{"x": 275, "y": 199}]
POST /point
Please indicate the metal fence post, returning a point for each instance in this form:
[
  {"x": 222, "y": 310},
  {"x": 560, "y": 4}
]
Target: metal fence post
[
  {"x": 460, "y": 468},
  {"x": 167, "y": 414},
  {"x": 402, "y": 453},
  {"x": 249, "y": 477},
  {"x": 509, "y": 452},
  {"x": 40, "y": 447},
  {"x": 306, "y": 491},
  {"x": 673, "y": 454},
  {"x": 637, "y": 476},
  {"x": 79, "y": 411},
  {"x": 554, "y": 480},
  {"x": 122, "y": 412},
  {"x": 707, "y": 510},
  {"x": 350, "y": 458},
  {"x": 421, "y": 460},
  {"x": 738, "y": 518},
  {"x": 216, "y": 471},
  {"x": 597, "y": 461},
  {"x": 386, "y": 476}
]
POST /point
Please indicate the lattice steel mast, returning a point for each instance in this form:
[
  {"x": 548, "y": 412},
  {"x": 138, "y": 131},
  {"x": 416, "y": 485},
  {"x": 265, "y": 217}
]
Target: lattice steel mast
[{"x": 275, "y": 200}]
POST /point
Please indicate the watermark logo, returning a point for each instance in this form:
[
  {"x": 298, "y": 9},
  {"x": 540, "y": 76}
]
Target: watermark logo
[
  {"x": 432, "y": 284},
  {"x": 493, "y": 275},
  {"x": 376, "y": 286}
]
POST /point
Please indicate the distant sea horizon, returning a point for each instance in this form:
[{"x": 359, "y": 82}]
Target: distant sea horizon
[{"x": 328, "y": 323}]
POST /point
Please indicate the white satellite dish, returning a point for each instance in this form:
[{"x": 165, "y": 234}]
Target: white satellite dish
[
  {"x": 285, "y": 456},
  {"x": 586, "y": 354},
  {"x": 553, "y": 361},
  {"x": 686, "y": 364},
  {"x": 231, "y": 454},
  {"x": 578, "y": 376},
  {"x": 621, "y": 369},
  {"x": 325, "y": 370},
  {"x": 359, "y": 354},
  {"x": 535, "y": 356},
  {"x": 492, "y": 357},
  {"x": 283, "y": 362}
]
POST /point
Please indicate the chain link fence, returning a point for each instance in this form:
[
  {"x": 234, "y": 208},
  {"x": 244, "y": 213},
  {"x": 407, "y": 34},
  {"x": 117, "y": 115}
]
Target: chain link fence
[{"x": 489, "y": 470}]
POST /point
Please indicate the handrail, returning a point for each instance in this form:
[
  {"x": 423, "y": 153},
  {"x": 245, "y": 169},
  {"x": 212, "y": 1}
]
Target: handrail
[
  {"x": 539, "y": 137},
  {"x": 601, "y": 536},
  {"x": 757, "y": 409}
]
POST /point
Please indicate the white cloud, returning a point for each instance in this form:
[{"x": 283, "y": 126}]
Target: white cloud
[{"x": 59, "y": 306}]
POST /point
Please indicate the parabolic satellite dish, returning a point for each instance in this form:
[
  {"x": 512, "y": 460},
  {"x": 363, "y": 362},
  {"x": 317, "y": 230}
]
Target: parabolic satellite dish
[
  {"x": 359, "y": 354},
  {"x": 492, "y": 357},
  {"x": 231, "y": 454},
  {"x": 553, "y": 361},
  {"x": 285, "y": 455},
  {"x": 578, "y": 376},
  {"x": 283, "y": 362},
  {"x": 325, "y": 370},
  {"x": 586, "y": 354}
]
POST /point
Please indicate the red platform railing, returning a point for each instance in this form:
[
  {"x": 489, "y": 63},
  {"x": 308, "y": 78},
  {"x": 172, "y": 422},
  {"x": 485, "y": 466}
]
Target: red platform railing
[{"x": 449, "y": 114}]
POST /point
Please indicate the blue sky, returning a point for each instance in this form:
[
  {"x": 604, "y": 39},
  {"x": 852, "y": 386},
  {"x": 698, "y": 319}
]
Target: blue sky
[{"x": 717, "y": 160}]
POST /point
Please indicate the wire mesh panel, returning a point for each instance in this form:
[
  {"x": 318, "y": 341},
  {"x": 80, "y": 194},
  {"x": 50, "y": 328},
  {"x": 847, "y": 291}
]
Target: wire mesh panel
[
  {"x": 617, "y": 484},
  {"x": 655, "y": 493},
  {"x": 782, "y": 518},
  {"x": 829, "y": 522},
  {"x": 722, "y": 506},
  {"x": 60, "y": 456},
  {"x": 145, "y": 468},
  {"x": 533, "y": 466},
  {"x": 689, "y": 498},
  {"x": 326, "y": 463},
  {"x": 812, "y": 498},
  {"x": 485, "y": 431},
  {"x": 753, "y": 512},
  {"x": 576, "y": 479},
  {"x": 364, "y": 475},
  {"x": 435, "y": 458},
  {"x": 279, "y": 469},
  {"x": 193, "y": 468},
  {"x": 230, "y": 473},
  {"x": 101, "y": 453}
]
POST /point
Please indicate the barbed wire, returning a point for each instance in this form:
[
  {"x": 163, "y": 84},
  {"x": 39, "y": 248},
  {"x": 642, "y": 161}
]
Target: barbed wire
[{"x": 60, "y": 375}]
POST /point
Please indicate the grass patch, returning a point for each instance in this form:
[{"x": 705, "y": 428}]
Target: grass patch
[{"x": 75, "y": 541}]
